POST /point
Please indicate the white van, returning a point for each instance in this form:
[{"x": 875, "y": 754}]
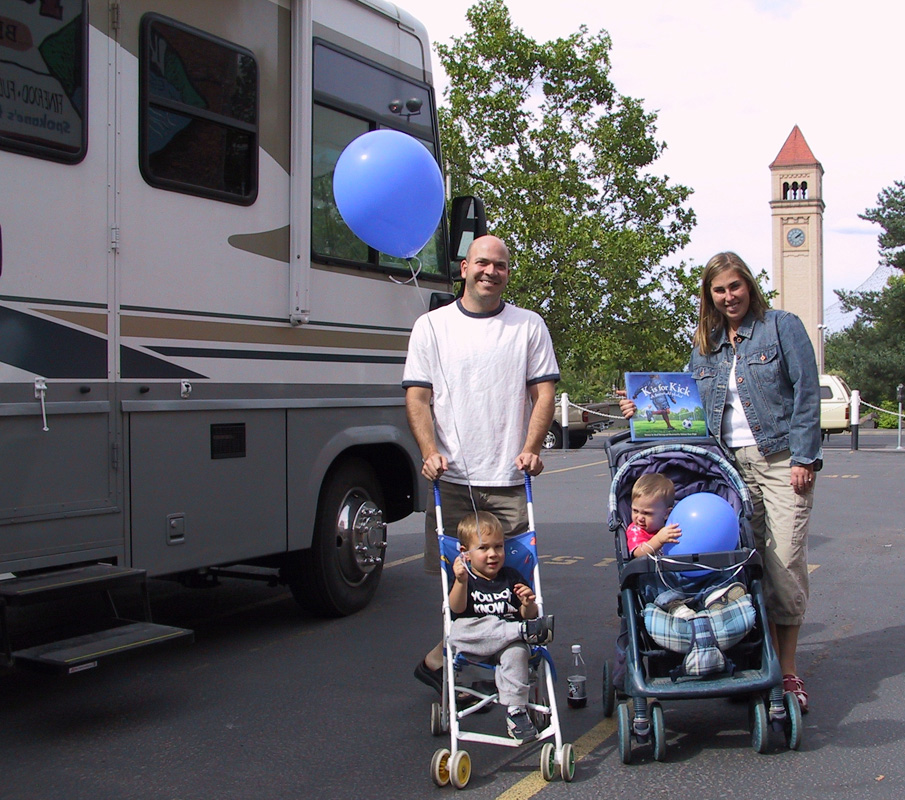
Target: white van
[{"x": 835, "y": 405}]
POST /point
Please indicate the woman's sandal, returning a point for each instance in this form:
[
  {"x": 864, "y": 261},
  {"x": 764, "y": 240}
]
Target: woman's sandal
[{"x": 794, "y": 684}]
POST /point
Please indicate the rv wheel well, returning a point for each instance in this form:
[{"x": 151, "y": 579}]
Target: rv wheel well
[{"x": 393, "y": 468}]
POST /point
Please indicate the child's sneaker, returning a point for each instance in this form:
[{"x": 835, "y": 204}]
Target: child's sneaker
[
  {"x": 722, "y": 597},
  {"x": 519, "y": 725},
  {"x": 537, "y": 631}
]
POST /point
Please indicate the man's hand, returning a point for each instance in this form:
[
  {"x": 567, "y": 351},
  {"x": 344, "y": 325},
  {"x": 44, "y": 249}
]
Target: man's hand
[
  {"x": 434, "y": 466},
  {"x": 530, "y": 463}
]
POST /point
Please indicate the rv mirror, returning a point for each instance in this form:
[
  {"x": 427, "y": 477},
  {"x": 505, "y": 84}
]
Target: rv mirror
[{"x": 467, "y": 222}]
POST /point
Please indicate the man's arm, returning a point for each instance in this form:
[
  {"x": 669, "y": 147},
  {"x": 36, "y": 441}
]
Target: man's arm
[
  {"x": 421, "y": 423},
  {"x": 543, "y": 396}
]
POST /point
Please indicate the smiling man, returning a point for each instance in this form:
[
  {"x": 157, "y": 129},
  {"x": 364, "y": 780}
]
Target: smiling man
[{"x": 479, "y": 383}]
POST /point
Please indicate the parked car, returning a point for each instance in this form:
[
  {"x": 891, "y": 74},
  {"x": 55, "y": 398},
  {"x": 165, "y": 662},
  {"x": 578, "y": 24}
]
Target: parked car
[
  {"x": 578, "y": 428},
  {"x": 835, "y": 405}
]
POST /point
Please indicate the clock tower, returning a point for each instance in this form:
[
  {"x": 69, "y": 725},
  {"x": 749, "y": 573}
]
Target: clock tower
[{"x": 797, "y": 208}]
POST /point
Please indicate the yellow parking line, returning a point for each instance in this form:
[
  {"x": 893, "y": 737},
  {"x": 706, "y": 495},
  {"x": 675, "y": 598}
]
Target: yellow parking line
[
  {"x": 578, "y": 466},
  {"x": 401, "y": 561},
  {"x": 534, "y": 783}
]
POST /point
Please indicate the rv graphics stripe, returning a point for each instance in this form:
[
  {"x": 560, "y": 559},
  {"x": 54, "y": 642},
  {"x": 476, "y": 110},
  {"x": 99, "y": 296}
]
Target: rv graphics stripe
[
  {"x": 135, "y": 364},
  {"x": 48, "y": 349},
  {"x": 272, "y": 355}
]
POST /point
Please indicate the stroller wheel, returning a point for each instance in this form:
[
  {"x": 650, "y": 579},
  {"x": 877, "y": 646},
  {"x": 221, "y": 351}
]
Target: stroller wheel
[
  {"x": 624, "y": 720},
  {"x": 793, "y": 720},
  {"x": 567, "y": 768},
  {"x": 658, "y": 732},
  {"x": 460, "y": 769},
  {"x": 609, "y": 692},
  {"x": 757, "y": 715},
  {"x": 547, "y": 761},
  {"x": 436, "y": 719},
  {"x": 440, "y": 767}
]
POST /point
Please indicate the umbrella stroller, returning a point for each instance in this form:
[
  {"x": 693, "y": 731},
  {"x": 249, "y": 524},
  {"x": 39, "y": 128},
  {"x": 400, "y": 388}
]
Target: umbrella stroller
[{"x": 453, "y": 764}]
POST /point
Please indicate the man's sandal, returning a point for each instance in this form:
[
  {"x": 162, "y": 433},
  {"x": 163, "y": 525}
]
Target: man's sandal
[{"x": 794, "y": 684}]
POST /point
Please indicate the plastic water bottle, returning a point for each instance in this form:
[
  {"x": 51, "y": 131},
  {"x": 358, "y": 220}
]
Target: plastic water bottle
[{"x": 578, "y": 679}]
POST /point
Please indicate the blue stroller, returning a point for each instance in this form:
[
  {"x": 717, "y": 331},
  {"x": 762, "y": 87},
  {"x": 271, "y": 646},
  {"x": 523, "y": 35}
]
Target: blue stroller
[
  {"x": 453, "y": 764},
  {"x": 654, "y": 672}
]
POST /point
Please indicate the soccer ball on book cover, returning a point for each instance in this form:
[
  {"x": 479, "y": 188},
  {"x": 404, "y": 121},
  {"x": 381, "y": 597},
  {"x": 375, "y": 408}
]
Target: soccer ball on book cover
[{"x": 688, "y": 424}]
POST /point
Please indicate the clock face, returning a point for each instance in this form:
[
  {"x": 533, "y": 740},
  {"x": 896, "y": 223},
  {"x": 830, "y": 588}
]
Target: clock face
[{"x": 795, "y": 237}]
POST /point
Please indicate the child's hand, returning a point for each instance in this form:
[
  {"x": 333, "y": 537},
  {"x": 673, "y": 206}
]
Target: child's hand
[
  {"x": 460, "y": 571},
  {"x": 525, "y": 594},
  {"x": 669, "y": 533}
]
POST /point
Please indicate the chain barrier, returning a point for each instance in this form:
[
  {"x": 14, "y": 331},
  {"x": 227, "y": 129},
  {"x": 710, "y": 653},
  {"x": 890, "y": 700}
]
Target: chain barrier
[
  {"x": 877, "y": 408},
  {"x": 591, "y": 410},
  {"x": 610, "y": 416}
]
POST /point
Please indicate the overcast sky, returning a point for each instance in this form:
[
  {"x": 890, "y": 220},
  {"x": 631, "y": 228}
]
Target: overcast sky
[{"x": 729, "y": 79}]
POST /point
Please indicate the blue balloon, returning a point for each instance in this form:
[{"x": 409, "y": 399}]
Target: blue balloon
[
  {"x": 709, "y": 525},
  {"x": 389, "y": 191}
]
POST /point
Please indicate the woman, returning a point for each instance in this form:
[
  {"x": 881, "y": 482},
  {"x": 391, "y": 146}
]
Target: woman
[{"x": 757, "y": 377}]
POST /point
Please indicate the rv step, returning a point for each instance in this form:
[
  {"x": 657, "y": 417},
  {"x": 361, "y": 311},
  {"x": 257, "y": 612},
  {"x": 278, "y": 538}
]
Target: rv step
[
  {"x": 85, "y": 652},
  {"x": 66, "y": 583}
]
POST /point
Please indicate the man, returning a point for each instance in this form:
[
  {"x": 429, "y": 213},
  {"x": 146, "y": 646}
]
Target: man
[{"x": 479, "y": 383}]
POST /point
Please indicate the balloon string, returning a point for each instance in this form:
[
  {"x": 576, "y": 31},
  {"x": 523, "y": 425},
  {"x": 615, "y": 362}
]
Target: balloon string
[{"x": 415, "y": 273}]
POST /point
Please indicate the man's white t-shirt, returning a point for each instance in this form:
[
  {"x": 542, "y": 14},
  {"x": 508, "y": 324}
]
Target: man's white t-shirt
[{"x": 479, "y": 367}]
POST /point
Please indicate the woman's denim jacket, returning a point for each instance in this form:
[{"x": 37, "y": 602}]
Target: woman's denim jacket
[{"x": 777, "y": 381}]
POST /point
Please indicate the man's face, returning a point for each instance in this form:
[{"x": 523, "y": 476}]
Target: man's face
[{"x": 486, "y": 271}]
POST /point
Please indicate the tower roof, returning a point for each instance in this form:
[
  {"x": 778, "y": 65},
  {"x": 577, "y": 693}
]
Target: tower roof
[{"x": 795, "y": 152}]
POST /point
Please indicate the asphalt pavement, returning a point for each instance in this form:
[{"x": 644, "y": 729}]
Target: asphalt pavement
[{"x": 272, "y": 703}]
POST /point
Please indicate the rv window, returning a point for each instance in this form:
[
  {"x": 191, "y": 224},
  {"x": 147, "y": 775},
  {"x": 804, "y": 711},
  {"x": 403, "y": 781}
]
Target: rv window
[
  {"x": 353, "y": 97},
  {"x": 330, "y": 236},
  {"x": 198, "y": 113},
  {"x": 43, "y": 80}
]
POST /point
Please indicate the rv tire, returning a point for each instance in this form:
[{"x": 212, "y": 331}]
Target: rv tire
[{"x": 340, "y": 573}]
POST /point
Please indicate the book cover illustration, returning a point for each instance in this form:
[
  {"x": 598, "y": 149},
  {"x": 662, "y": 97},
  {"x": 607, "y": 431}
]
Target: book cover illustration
[{"x": 668, "y": 405}]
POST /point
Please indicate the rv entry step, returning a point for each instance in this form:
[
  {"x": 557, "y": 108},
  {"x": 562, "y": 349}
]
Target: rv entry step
[{"x": 76, "y": 609}]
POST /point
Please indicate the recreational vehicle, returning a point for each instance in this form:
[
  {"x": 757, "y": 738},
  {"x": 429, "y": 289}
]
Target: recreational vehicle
[{"x": 200, "y": 363}]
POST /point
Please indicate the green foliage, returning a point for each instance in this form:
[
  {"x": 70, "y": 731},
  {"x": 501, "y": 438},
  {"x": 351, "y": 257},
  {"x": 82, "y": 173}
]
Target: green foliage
[
  {"x": 888, "y": 420},
  {"x": 561, "y": 159},
  {"x": 890, "y": 215},
  {"x": 870, "y": 354}
]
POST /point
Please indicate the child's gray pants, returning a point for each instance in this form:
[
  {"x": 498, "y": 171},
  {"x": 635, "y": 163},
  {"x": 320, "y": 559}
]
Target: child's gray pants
[{"x": 496, "y": 639}]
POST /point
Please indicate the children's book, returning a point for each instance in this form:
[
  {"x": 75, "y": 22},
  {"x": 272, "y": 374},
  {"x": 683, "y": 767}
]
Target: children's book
[{"x": 668, "y": 406}]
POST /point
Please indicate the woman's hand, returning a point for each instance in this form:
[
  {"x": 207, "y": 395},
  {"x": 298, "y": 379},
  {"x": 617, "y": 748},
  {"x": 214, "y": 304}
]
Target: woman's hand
[
  {"x": 802, "y": 479},
  {"x": 626, "y": 407}
]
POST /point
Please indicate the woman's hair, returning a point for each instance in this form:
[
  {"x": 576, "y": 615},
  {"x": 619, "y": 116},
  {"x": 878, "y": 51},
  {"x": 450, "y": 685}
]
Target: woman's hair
[
  {"x": 656, "y": 487},
  {"x": 710, "y": 321},
  {"x": 468, "y": 527}
]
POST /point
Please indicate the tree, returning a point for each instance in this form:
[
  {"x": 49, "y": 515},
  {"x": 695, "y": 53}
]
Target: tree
[
  {"x": 870, "y": 354},
  {"x": 890, "y": 215},
  {"x": 561, "y": 159}
]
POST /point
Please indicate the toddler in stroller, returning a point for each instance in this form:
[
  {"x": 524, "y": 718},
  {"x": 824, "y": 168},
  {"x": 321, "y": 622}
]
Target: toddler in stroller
[
  {"x": 492, "y": 587},
  {"x": 665, "y": 654}
]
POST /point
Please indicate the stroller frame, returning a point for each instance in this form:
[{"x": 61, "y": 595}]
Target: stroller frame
[
  {"x": 645, "y": 685},
  {"x": 453, "y": 764}
]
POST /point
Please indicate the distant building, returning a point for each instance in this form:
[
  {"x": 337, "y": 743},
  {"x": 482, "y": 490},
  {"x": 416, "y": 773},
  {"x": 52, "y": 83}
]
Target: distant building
[{"x": 797, "y": 209}]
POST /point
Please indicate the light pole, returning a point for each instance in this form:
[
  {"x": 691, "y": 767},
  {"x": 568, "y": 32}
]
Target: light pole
[{"x": 820, "y": 361}]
